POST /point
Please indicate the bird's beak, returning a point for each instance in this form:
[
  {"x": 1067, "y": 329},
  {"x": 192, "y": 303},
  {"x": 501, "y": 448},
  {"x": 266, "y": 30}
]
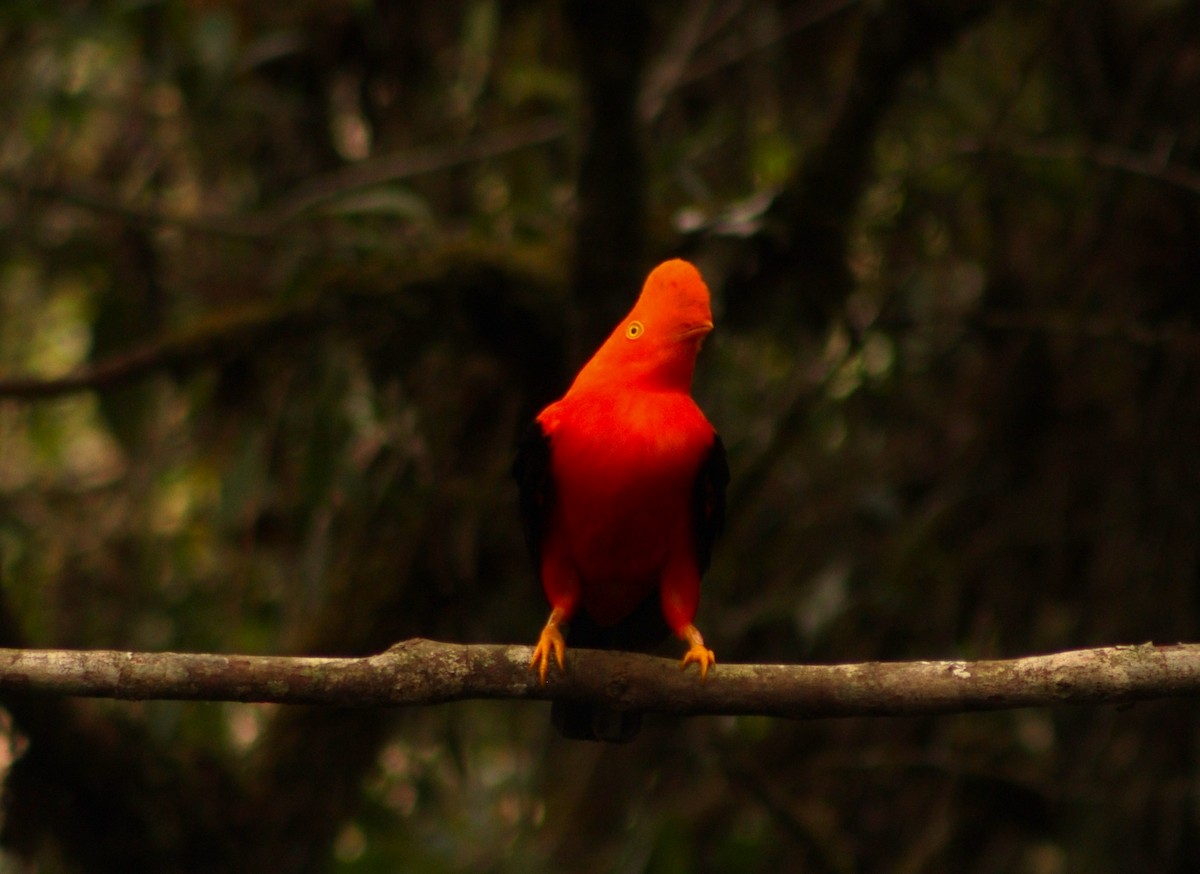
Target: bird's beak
[{"x": 701, "y": 330}]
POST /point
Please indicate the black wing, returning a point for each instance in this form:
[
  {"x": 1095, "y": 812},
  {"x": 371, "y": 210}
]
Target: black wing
[
  {"x": 708, "y": 501},
  {"x": 535, "y": 485}
]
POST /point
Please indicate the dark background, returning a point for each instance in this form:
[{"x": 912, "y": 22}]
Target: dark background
[{"x": 320, "y": 262}]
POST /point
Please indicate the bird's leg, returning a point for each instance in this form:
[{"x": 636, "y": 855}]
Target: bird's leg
[
  {"x": 697, "y": 651},
  {"x": 549, "y": 643}
]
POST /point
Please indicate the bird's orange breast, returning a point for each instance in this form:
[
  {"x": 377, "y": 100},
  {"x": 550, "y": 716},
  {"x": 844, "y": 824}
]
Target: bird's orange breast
[{"x": 624, "y": 465}]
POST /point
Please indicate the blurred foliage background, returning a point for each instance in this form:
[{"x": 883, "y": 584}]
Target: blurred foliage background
[{"x": 281, "y": 284}]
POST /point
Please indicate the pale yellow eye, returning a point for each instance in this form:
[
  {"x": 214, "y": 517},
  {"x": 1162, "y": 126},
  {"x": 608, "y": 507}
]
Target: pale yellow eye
[{"x": 635, "y": 330}]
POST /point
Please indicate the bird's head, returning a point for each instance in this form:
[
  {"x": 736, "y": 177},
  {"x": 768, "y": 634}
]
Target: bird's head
[{"x": 656, "y": 344}]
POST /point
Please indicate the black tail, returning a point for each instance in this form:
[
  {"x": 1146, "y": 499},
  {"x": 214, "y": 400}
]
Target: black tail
[
  {"x": 577, "y": 720},
  {"x": 643, "y": 629}
]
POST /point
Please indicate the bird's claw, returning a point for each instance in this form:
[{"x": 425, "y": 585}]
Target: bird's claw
[
  {"x": 697, "y": 652},
  {"x": 702, "y": 656},
  {"x": 550, "y": 643}
]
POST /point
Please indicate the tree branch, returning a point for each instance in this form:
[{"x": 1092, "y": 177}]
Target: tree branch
[
  {"x": 240, "y": 330},
  {"x": 504, "y": 287},
  {"x": 805, "y": 236},
  {"x": 269, "y": 224},
  {"x": 418, "y": 672},
  {"x": 417, "y": 161},
  {"x": 1156, "y": 166}
]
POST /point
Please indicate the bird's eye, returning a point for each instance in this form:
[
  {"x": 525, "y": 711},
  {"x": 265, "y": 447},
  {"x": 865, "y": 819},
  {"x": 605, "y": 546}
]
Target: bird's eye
[{"x": 635, "y": 330}]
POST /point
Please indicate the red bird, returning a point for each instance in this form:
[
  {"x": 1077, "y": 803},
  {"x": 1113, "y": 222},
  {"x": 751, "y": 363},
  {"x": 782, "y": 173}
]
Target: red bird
[{"x": 622, "y": 487}]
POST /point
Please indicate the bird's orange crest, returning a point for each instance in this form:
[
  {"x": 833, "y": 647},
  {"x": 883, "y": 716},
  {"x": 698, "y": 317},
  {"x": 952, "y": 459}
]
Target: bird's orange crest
[
  {"x": 674, "y": 301},
  {"x": 658, "y": 341}
]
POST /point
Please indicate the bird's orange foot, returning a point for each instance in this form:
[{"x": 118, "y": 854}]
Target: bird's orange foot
[
  {"x": 697, "y": 652},
  {"x": 550, "y": 643}
]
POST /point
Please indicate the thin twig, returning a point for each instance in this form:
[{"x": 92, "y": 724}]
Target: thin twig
[
  {"x": 1155, "y": 166},
  {"x": 801, "y": 17},
  {"x": 1175, "y": 337},
  {"x": 249, "y": 329},
  {"x": 414, "y": 162},
  {"x": 267, "y": 225}
]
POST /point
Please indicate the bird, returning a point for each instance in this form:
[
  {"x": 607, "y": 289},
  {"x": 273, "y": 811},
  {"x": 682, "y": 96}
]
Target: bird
[{"x": 622, "y": 487}]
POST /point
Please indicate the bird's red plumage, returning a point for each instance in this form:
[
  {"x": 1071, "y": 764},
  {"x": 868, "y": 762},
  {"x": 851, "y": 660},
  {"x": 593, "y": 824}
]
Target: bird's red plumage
[
  {"x": 626, "y": 445},
  {"x": 624, "y": 464},
  {"x": 623, "y": 492}
]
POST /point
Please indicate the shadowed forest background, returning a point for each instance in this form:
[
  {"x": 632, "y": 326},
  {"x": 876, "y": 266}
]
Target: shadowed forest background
[{"x": 282, "y": 284}]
